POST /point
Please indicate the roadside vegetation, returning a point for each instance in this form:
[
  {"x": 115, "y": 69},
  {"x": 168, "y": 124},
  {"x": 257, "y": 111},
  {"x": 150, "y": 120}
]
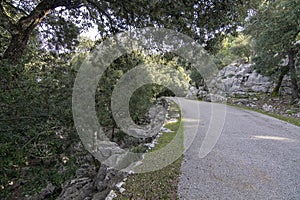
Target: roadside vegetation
[
  {"x": 291, "y": 120},
  {"x": 160, "y": 184},
  {"x": 42, "y": 47}
]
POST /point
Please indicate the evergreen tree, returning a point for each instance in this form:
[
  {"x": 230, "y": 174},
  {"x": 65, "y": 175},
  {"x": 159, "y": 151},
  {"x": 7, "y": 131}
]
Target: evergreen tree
[
  {"x": 59, "y": 22},
  {"x": 234, "y": 48},
  {"x": 275, "y": 28}
]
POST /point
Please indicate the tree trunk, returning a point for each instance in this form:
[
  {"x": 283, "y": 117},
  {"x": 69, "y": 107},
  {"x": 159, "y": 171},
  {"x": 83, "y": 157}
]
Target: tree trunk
[
  {"x": 16, "y": 47},
  {"x": 22, "y": 30},
  {"x": 197, "y": 85},
  {"x": 284, "y": 71},
  {"x": 291, "y": 64}
]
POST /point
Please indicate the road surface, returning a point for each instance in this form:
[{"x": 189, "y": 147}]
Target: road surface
[{"x": 255, "y": 157}]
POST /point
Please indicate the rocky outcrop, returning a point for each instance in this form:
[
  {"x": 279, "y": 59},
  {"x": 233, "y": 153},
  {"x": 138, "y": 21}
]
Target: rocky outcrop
[
  {"x": 241, "y": 84},
  {"x": 91, "y": 184},
  {"x": 240, "y": 81},
  {"x": 235, "y": 80},
  {"x": 96, "y": 183}
]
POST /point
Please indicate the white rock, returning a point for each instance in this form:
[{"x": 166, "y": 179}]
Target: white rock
[
  {"x": 165, "y": 130},
  {"x": 230, "y": 70},
  {"x": 173, "y": 120},
  {"x": 111, "y": 195},
  {"x": 131, "y": 172},
  {"x": 122, "y": 190},
  {"x": 259, "y": 88},
  {"x": 267, "y": 108},
  {"x": 119, "y": 185},
  {"x": 236, "y": 78}
]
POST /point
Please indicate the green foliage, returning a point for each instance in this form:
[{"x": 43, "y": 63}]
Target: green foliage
[
  {"x": 196, "y": 77},
  {"x": 106, "y": 86},
  {"x": 160, "y": 184},
  {"x": 275, "y": 29},
  {"x": 233, "y": 49},
  {"x": 36, "y": 125},
  {"x": 241, "y": 47},
  {"x": 168, "y": 71},
  {"x": 205, "y": 21}
]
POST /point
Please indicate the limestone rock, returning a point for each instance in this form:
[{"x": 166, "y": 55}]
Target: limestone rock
[
  {"x": 77, "y": 189},
  {"x": 267, "y": 108},
  {"x": 235, "y": 80},
  {"x": 111, "y": 195}
]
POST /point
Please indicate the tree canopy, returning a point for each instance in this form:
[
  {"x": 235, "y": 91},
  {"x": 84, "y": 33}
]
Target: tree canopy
[
  {"x": 234, "y": 48},
  {"x": 41, "y": 50},
  {"x": 57, "y": 23},
  {"x": 275, "y": 28}
]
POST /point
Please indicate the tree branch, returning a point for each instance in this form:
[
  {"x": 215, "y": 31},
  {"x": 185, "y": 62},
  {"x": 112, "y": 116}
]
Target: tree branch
[
  {"x": 98, "y": 7},
  {"x": 43, "y": 9},
  {"x": 22, "y": 30},
  {"x": 6, "y": 22},
  {"x": 16, "y": 8}
]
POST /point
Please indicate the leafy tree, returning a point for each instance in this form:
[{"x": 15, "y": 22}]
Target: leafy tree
[
  {"x": 36, "y": 124},
  {"x": 196, "y": 77},
  {"x": 40, "y": 37},
  {"x": 60, "y": 21},
  {"x": 232, "y": 49},
  {"x": 275, "y": 28},
  {"x": 242, "y": 47},
  {"x": 170, "y": 73}
]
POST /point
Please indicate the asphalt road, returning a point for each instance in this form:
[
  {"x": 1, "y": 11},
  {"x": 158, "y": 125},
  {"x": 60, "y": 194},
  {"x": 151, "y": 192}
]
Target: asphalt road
[{"x": 255, "y": 157}]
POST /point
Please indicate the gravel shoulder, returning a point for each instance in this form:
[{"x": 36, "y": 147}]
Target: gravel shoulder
[{"x": 256, "y": 156}]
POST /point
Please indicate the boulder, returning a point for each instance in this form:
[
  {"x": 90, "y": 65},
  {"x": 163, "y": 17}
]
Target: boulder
[{"x": 235, "y": 80}]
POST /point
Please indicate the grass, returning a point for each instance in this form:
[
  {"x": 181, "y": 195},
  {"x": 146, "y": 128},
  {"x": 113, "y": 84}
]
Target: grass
[
  {"x": 291, "y": 120},
  {"x": 160, "y": 184}
]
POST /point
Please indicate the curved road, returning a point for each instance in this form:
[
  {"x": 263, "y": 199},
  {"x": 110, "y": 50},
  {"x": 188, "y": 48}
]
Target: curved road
[{"x": 256, "y": 156}]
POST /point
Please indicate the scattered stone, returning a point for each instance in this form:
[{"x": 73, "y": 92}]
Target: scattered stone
[
  {"x": 215, "y": 98},
  {"x": 239, "y": 94},
  {"x": 165, "y": 130},
  {"x": 192, "y": 93},
  {"x": 119, "y": 185},
  {"x": 267, "y": 108},
  {"x": 131, "y": 172},
  {"x": 241, "y": 101},
  {"x": 202, "y": 94},
  {"x": 111, "y": 195},
  {"x": 173, "y": 120},
  {"x": 122, "y": 190},
  {"x": 151, "y": 145}
]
